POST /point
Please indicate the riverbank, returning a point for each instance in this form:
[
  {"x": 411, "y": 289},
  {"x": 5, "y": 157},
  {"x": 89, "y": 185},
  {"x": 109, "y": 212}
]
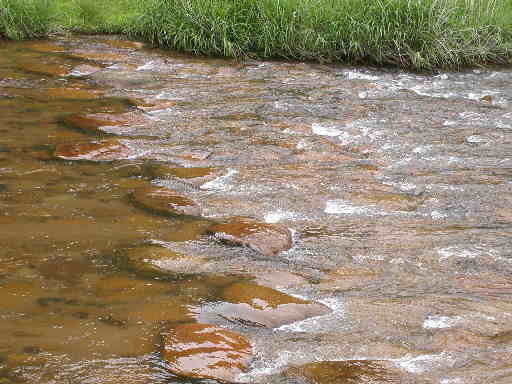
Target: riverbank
[{"x": 421, "y": 35}]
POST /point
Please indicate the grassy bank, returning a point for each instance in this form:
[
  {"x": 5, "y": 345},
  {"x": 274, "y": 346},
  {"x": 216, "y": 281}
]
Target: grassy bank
[
  {"x": 411, "y": 33},
  {"x": 420, "y": 34}
]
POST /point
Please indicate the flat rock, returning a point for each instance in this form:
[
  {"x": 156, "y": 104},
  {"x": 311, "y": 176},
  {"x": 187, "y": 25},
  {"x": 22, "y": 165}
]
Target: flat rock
[
  {"x": 106, "y": 122},
  {"x": 266, "y": 239},
  {"x": 279, "y": 279},
  {"x": 105, "y": 150},
  {"x": 387, "y": 199},
  {"x": 346, "y": 278},
  {"x": 256, "y": 305},
  {"x": 165, "y": 201},
  {"x": 84, "y": 70},
  {"x": 47, "y": 69},
  {"x": 54, "y": 94},
  {"x": 203, "y": 351},
  {"x": 160, "y": 309},
  {"x": 346, "y": 372},
  {"x": 44, "y": 46},
  {"x": 154, "y": 260}
]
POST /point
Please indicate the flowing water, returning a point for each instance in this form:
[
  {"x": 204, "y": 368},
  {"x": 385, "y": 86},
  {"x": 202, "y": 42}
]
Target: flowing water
[{"x": 397, "y": 188}]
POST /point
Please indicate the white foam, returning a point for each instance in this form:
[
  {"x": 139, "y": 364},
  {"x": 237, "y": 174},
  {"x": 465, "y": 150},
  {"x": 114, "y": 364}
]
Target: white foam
[
  {"x": 438, "y": 215},
  {"x": 354, "y": 75},
  {"x": 220, "y": 183},
  {"x": 168, "y": 96},
  {"x": 147, "y": 66},
  {"x": 407, "y": 187},
  {"x": 301, "y": 145},
  {"x": 277, "y": 216},
  {"x": 312, "y": 324},
  {"x": 449, "y": 252},
  {"x": 264, "y": 367},
  {"x": 344, "y": 207},
  {"x": 324, "y": 130},
  {"x": 424, "y": 363},
  {"x": 475, "y": 139},
  {"x": 452, "y": 380},
  {"x": 422, "y": 149},
  {"x": 440, "y": 322}
]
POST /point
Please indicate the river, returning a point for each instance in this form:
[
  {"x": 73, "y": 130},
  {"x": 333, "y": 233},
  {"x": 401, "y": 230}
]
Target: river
[{"x": 395, "y": 187}]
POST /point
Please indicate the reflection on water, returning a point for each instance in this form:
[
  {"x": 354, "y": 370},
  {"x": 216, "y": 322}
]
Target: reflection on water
[{"x": 396, "y": 189}]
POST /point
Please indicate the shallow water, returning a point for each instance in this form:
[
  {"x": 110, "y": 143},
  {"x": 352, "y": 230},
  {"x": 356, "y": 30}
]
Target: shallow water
[{"x": 396, "y": 186}]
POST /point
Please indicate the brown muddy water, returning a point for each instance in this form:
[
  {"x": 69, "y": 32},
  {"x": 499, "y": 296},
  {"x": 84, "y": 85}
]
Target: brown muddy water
[{"x": 118, "y": 163}]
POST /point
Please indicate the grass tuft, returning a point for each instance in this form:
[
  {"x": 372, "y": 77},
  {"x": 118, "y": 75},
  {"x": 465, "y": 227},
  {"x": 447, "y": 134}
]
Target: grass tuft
[{"x": 24, "y": 19}]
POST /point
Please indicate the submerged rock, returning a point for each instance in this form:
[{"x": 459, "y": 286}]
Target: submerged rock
[
  {"x": 204, "y": 351},
  {"x": 106, "y": 150},
  {"x": 165, "y": 201},
  {"x": 154, "y": 260},
  {"x": 347, "y": 372},
  {"x": 266, "y": 239},
  {"x": 387, "y": 199},
  {"x": 116, "y": 123},
  {"x": 46, "y": 69},
  {"x": 70, "y": 93},
  {"x": 346, "y": 278},
  {"x": 256, "y": 305},
  {"x": 279, "y": 279}
]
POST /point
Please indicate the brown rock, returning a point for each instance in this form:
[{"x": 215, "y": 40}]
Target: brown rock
[
  {"x": 48, "y": 69},
  {"x": 106, "y": 150},
  {"x": 43, "y": 46},
  {"x": 153, "y": 105},
  {"x": 258, "y": 296},
  {"x": 206, "y": 352},
  {"x": 255, "y": 305},
  {"x": 166, "y": 201},
  {"x": 163, "y": 309},
  {"x": 162, "y": 171},
  {"x": 66, "y": 94},
  {"x": 346, "y": 372},
  {"x": 52, "y": 94},
  {"x": 95, "y": 121},
  {"x": 156, "y": 260},
  {"x": 267, "y": 239}
]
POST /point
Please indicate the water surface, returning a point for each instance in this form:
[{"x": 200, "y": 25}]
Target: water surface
[{"x": 397, "y": 187}]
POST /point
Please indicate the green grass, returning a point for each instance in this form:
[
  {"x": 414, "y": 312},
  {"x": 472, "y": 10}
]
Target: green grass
[
  {"x": 418, "y": 34},
  {"x": 95, "y": 16},
  {"x": 421, "y": 34},
  {"x": 24, "y": 19}
]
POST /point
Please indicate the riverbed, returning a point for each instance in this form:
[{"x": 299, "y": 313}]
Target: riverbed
[{"x": 396, "y": 189}]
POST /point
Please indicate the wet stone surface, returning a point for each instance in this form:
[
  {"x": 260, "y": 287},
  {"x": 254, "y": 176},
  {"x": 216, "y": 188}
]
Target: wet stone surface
[
  {"x": 94, "y": 151},
  {"x": 349, "y": 372},
  {"x": 155, "y": 260},
  {"x": 258, "y": 306},
  {"x": 266, "y": 239},
  {"x": 165, "y": 201},
  {"x": 308, "y": 213},
  {"x": 106, "y": 123},
  {"x": 204, "y": 351}
]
